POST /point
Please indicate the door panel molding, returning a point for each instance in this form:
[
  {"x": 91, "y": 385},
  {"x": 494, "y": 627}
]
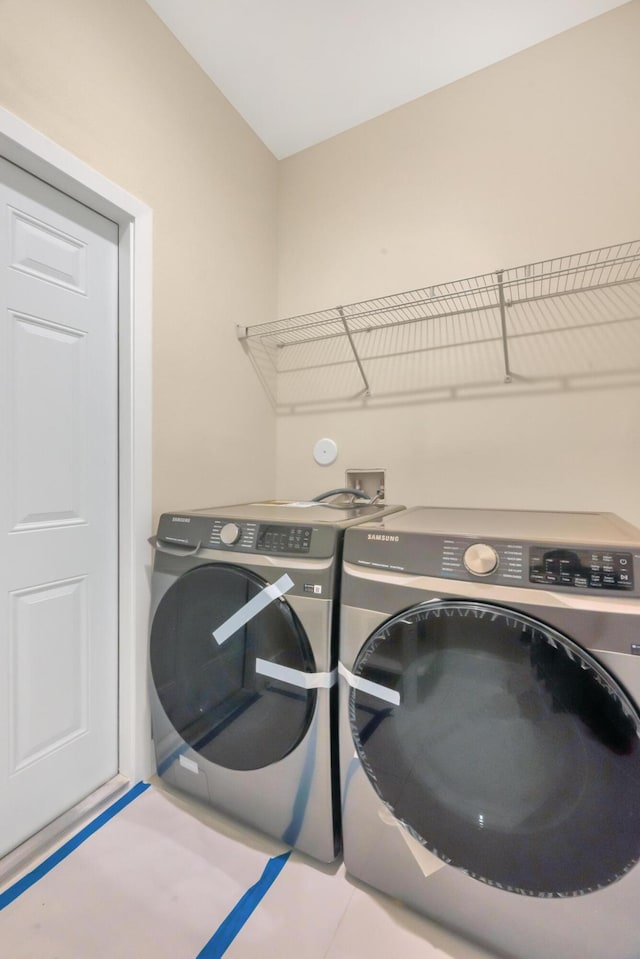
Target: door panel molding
[{"x": 36, "y": 612}]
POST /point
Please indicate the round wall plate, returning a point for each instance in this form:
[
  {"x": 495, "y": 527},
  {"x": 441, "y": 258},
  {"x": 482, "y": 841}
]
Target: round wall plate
[{"x": 325, "y": 452}]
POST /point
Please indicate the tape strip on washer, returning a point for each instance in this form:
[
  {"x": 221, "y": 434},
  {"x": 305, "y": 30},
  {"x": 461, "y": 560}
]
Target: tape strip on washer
[
  {"x": 295, "y": 676},
  {"x": 366, "y": 686},
  {"x": 252, "y": 608}
]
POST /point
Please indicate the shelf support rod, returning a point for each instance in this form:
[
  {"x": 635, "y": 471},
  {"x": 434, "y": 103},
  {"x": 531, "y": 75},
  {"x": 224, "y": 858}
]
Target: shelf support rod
[
  {"x": 503, "y": 322},
  {"x": 367, "y": 389}
]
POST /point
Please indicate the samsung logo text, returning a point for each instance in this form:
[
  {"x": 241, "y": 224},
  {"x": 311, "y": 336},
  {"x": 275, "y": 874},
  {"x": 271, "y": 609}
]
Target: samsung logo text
[{"x": 383, "y": 538}]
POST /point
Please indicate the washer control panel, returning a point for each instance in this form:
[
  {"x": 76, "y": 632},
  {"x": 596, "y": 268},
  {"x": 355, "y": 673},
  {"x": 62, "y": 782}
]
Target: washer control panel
[
  {"x": 261, "y": 537},
  {"x": 284, "y": 539},
  {"x": 246, "y": 536}
]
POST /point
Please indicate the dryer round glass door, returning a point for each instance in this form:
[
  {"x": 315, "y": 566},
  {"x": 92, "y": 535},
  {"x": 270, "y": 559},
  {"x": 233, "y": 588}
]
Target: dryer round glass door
[
  {"x": 512, "y": 755},
  {"x": 216, "y": 692}
]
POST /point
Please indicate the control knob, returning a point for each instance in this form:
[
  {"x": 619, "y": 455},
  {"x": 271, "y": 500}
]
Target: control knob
[
  {"x": 230, "y": 534},
  {"x": 481, "y": 559}
]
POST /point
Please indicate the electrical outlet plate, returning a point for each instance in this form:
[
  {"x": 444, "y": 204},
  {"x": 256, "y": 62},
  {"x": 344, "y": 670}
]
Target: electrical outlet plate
[{"x": 370, "y": 482}]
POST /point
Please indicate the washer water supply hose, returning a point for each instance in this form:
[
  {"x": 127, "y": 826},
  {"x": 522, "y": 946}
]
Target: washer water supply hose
[{"x": 346, "y": 491}]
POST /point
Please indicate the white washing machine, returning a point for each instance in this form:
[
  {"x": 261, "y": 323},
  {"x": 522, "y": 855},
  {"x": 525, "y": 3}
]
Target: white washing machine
[
  {"x": 489, "y": 725},
  {"x": 243, "y": 650}
]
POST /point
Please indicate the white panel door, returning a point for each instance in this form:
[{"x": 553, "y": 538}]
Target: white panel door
[{"x": 58, "y": 503}]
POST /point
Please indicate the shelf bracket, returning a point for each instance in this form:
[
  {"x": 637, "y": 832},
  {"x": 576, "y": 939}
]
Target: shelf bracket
[
  {"x": 367, "y": 389},
  {"x": 503, "y": 322}
]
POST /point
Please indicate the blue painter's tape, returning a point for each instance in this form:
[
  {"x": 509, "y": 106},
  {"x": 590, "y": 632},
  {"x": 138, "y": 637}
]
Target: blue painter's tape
[
  {"x": 48, "y": 864},
  {"x": 231, "y": 926}
]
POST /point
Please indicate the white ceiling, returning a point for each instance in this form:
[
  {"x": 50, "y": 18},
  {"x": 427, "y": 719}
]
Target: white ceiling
[{"x": 301, "y": 71}]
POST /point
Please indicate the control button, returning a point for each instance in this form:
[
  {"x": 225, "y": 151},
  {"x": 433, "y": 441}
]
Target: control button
[
  {"x": 230, "y": 533},
  {"x": 481, "y": 559}
]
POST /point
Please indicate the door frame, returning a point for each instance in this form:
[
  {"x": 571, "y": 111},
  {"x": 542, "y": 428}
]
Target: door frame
[{"x": 40, "y": 156}]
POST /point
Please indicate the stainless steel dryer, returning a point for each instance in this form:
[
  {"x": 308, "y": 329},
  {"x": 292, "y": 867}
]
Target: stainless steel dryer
[
  {"x": 243, "y": 650},
  {"x": 489, "y": 725}
]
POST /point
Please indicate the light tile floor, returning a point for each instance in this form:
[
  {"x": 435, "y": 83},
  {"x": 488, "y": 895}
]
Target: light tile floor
[
  {"x": 317, "y": 911},
  {"x": 157, "y": 880}
]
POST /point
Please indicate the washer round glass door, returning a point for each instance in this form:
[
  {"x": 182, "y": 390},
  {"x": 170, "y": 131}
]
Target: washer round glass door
[
  {"x": 214, "y": 693},
  {"x": 513, "y": 754}
]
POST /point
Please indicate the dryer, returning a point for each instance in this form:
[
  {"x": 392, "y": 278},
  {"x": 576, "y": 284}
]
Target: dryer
[
  {"x": 243, "y": 650},
  {"x": 489, "y": 724}
]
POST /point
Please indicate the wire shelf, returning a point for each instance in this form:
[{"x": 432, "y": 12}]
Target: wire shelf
[{"x": 582, "y": 309}]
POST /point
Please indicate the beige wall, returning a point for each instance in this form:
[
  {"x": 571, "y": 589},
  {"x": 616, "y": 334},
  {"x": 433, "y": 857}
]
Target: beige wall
[
  {"x": 531, "y": 158},
  {"x": 535, "y": 157},
  {"x": 109, "y": 82}
]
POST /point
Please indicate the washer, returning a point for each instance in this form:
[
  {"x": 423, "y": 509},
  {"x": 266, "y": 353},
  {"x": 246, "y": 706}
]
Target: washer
[
  {"x": 243, "y": 650},
  {"x": 489, "y": 725}
]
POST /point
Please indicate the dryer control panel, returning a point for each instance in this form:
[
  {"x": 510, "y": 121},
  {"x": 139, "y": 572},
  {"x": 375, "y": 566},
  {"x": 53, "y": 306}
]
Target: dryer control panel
[
  {"x": 514, "y": 564},
  {"x": 581, "y": 568},
  {"x": 504, "y": 562},
  {"x": 598, "y": 568}
]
